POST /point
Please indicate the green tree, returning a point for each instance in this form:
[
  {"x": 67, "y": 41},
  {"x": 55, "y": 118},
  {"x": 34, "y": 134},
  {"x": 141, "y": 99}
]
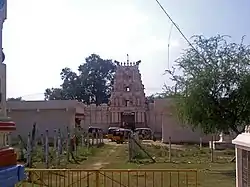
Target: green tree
[
  {"x": 168, "y": 92},
  {"x": 92, "y": 83},
  {"x": 150, "y": 98},
  {"x": 15, "y": 99},
  {"x": 54, "y": 94},
  {"x": 214, "y": 88}
]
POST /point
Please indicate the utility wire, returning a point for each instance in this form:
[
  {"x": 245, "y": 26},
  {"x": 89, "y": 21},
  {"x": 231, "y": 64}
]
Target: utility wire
[
  {"x": 32, "y": 94},
  {"x": 170, "y": 32},
  {"x": 36, "y": 94},
  {"x": 28, "y": 95},
  {"x": 169, "y": 17}
]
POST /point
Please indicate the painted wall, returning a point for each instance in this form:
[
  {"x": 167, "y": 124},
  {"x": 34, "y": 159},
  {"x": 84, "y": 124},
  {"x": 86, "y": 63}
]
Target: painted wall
[
  {"x": 169, "y": 126},
  {"x": 98, "y": 116},
  {"x": 159, "y": 118},
  {"x": 59, "y": 114},
  {"x": 45, "y": 119}
]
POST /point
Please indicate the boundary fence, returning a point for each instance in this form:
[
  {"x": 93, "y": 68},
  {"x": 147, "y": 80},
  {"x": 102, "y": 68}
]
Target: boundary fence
[{"x": 110, "y": 178}]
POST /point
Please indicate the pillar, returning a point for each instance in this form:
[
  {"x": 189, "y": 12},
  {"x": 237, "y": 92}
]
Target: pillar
[
  {"x": 116, "y": 117},
  {"x": 142, "y": 117},
  {"x": 3, "y": 11},
  {"x": 139, "y": 117},
  {"x": 3, "y": 104},
  {"x": 238, "y": 155},
  {"x": 112, "y": 117}
]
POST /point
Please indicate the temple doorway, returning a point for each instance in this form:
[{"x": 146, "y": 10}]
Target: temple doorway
[
  {"x": 78, "y": 120},
  {"x": 128, "y": 120}
]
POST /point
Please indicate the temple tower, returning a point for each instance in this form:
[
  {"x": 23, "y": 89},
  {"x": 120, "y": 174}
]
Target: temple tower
[{"x": 127, "y": 101}]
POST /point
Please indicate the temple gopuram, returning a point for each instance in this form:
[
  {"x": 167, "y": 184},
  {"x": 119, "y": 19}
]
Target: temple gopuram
[{"x": 128, "y": 102}]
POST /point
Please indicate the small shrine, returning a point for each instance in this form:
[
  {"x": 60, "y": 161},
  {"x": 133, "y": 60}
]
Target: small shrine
[
  {"x": 225, "y": 142},
  {"x": 10, "y": 172},
  {"x": 242, "y": 153}
]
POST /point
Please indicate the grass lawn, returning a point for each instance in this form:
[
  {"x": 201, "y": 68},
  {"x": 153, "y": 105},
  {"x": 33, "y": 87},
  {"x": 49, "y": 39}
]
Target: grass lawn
[{"x": 220, "y": 173}]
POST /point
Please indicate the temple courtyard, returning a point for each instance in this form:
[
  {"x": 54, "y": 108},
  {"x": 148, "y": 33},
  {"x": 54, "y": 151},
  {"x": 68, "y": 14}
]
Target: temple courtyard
[{"x": 219, "y": 172}]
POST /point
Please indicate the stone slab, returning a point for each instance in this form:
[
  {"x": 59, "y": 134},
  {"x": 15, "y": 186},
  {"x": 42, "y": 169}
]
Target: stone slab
[{"x": 218, "y": 145}]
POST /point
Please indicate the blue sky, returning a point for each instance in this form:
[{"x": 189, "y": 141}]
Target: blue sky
[{"x": 40, "y": 37}]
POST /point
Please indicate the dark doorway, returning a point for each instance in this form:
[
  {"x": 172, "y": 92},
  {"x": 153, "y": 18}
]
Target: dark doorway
[
  {"x": 77, "y": 122},
  {"x": 128, "y": 120},
  {"x": 78, "y": 119}
]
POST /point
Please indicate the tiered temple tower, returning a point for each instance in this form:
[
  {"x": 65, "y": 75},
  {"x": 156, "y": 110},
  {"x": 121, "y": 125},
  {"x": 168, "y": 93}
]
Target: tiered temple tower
[{"x": 127, "y": 102}]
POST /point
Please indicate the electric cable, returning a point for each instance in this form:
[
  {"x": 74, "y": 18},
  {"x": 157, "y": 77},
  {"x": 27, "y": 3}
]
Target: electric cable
[
  {"x": 169, "y": 37},
  {"x": 176, "y": 26}
]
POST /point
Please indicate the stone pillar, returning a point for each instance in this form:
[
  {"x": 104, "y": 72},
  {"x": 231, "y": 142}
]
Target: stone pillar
[
  {"x": 142, "y": 117},
  {"x": 119, "y": 117},
  {"x": 238, "y": 154},
  {"x": 116, "y": 117},
  {"x": 3, "y": 104},
  {"x": 112, "y": 117},
  {"x": 242, "y": 153},
  {"x": 139, "y": 117},
  {"x": 3, "y": 11},
  {"x": 221, "y": 137},
  {"x": 1, "y": 37}
]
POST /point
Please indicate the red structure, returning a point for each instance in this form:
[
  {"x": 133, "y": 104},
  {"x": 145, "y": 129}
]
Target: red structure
[{"x": 7, "y": 154}]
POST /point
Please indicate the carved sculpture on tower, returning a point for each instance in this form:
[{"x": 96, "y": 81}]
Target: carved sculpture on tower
[
  {"x": 130, "y": 112},
  {"x": 10, "y": 172}
]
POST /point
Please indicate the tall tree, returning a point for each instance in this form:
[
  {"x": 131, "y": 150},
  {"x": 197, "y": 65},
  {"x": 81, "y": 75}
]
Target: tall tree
[
  {"x": 92, "y": 83},
  {"x": 214, "y": 88},
  {"x": 168, "y": 92}
]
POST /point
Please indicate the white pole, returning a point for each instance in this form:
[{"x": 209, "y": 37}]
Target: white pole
[{"x": 162, "y": 129}]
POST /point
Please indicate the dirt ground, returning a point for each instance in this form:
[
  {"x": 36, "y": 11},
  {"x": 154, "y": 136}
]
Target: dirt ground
[{"x": 104, "y": 157}]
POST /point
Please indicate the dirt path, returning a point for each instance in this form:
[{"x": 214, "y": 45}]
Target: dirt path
[{"x": 104, "y": 157}]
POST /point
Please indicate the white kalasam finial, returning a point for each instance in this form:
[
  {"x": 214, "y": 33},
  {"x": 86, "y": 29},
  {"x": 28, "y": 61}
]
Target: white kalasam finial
[
  {"x": 221, "y": 137},
  {"x": 248, "y": 129}
]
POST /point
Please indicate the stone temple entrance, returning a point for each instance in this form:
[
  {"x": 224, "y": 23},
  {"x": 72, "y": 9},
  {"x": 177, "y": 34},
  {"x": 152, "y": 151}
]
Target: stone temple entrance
[
  {"x": 128, "y": 101},
  {"x": 128, "y": 120}
]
